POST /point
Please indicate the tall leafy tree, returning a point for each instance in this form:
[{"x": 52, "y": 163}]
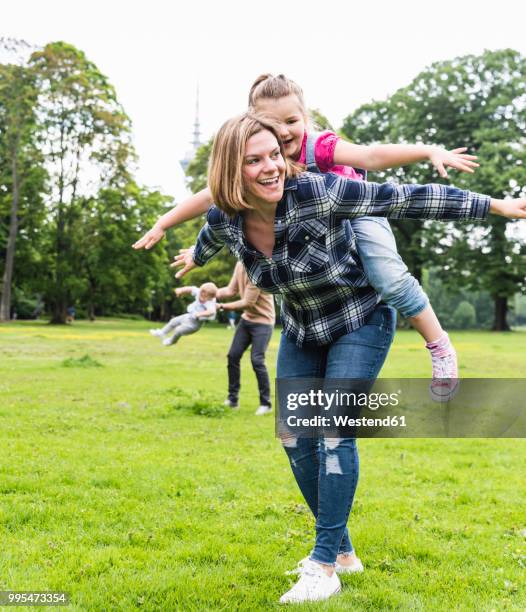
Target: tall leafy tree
[
  {"x": 474, "y": 101},
  {"x": 87, "y": 148},
  {"x": 21, "y": 172}
]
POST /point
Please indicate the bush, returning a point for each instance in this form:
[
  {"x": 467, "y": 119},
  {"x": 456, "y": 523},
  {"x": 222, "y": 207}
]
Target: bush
[
  {"x": 464, "y": 317},
  {"x": 26, "y": 307}
]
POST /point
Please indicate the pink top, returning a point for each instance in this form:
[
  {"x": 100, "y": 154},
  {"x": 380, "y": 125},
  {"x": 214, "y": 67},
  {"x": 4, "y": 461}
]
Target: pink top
[{"x": 324, "y": 155}]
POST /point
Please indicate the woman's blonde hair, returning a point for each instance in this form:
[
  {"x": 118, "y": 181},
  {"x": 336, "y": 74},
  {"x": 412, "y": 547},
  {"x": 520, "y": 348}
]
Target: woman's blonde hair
[
  {"x": 225, "y": 171},
  {"x": 268, "y": 86}
]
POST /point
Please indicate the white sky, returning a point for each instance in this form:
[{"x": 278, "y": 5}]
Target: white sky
[{"x": 342, "y": 53}]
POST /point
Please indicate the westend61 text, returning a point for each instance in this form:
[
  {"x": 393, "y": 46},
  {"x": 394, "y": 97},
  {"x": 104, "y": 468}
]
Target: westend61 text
[{"x": 345, "y": 421}]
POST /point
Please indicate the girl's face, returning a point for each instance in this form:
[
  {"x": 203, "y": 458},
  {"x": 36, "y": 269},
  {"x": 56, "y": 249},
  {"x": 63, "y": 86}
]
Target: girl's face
[
  {"x": 288, "y": 113},
  {"x": 263, "y": 169}
]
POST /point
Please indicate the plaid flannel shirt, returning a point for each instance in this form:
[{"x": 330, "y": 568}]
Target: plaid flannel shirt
[{"x": 315, "y": 265}]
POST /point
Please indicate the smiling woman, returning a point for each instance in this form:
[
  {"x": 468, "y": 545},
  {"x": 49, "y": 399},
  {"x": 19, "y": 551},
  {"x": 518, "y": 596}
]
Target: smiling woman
[
  {"x": 291, "y": 232},
  {"x": 264, "y": 168}
]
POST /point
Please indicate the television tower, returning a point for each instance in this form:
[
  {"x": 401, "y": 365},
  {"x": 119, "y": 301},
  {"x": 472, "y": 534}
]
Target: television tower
[{"x": 196, "y": 141}]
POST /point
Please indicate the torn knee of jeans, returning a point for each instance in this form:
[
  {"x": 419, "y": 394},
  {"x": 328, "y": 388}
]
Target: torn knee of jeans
[
  {"x": 288, "y": 440},
  {"x": 332, "y": 465},
  {"x": 332, "y": 443}
]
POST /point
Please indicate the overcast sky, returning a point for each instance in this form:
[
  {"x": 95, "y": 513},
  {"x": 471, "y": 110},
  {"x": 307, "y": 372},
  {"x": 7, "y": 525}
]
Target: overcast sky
[{"x": 342, "y": 53}]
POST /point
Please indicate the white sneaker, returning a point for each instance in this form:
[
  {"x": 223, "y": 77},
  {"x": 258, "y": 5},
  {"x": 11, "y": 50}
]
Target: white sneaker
[
  {"x": 231, "y": 404},
  {"x": 169, "y": 341},
  {"x": 354, "y": 568},
  {"x": 263, "y": 410},
  {"x": 157, "y": 332},
  {"x": 314, "y": 585}
]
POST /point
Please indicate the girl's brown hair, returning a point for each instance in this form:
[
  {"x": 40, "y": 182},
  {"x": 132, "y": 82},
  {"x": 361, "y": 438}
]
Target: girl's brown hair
[
  {"x": 275, "y": 87},
  {"x": 225, "y": 171}
]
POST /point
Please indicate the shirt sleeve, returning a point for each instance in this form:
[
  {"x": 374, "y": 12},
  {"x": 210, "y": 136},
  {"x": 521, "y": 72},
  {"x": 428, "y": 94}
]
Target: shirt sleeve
[
  {"x": 324, "y": 150},
  {"x": 349, "y": 198},
  {"x": 248, "y": 300},
  {"x": 211, "y": 305},
  {"x": 209, "y": 241}
]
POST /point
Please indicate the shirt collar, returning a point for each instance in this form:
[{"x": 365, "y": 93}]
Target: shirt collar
[{"x": 291, "y": 184}]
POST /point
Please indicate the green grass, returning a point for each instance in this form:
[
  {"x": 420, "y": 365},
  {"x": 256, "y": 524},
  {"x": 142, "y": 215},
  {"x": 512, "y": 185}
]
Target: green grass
[{"x": 124, "y": 482}]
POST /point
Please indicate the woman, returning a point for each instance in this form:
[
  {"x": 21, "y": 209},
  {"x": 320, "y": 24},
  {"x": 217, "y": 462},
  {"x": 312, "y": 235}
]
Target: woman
[{"x": 289, "y": 230}]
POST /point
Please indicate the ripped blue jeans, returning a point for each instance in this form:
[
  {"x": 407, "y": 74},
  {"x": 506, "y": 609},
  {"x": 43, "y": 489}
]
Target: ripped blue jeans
[{"x": 326, "y": 469}]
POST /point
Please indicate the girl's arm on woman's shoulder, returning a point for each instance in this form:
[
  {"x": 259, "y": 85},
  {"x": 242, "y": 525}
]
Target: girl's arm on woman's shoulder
[
  {"x": 190, "y": 208},
  {"x": 382, "y": 156}
]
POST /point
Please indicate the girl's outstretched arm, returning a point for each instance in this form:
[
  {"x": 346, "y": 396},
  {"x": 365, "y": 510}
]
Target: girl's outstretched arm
[
  {"x": 380, "y": 157},
  {"x": 190, "y": 208}
]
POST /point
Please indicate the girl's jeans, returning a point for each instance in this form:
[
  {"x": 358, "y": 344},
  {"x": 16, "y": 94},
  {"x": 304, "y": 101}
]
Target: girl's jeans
[
  {"x": 384, "y": 267},
  {"x": 326, "y": 469}
]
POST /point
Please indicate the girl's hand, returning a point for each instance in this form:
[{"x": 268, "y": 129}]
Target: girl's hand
[
  {"x": 185, "y": 258},
  {"x": 512, "y": 209},
  {"x": 455, "y": 159},
  {"x": 150, "y": 239}
]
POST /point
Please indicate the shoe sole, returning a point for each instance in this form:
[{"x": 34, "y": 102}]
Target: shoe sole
[
  {"x": 442, "y": 399},
  {"x": 294, "y": 601}
]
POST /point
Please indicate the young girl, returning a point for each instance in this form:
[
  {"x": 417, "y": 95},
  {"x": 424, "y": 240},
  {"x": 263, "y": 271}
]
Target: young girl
[{"x": 282, "y": 99}]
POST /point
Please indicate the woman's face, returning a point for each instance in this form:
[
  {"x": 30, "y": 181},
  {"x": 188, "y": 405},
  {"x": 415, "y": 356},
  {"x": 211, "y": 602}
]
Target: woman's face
[
  {"x": 263, "y": 169},
  {"x": 287, "y": 112}
]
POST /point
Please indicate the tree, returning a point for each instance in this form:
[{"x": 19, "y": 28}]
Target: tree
[
  {"x": 319, "y": 121},
  {"x": 474, "y": 101},
  {"x": 220, "y": 270},
  {"x": 112, "y": 277},
  {"x": 197, "y": 170},
  {"x": 86, "y": 146},
  {"x": 21, "y": 172}
]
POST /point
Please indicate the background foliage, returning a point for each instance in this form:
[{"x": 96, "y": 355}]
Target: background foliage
[{"x": 70, "y": 207}]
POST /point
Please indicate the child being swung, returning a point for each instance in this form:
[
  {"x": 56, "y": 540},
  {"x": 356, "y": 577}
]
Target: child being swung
[
  {"x": 282, "y": 99},
  {"x": 203, "y": 308}
]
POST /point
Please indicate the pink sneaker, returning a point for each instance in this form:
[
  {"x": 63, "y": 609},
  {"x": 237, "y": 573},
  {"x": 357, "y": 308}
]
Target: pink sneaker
[{"x": 445, "y": 383}]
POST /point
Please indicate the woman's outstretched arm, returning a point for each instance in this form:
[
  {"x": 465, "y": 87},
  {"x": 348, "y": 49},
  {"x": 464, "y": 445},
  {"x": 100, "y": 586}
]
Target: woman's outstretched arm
[{"x": 188, "y": 209}]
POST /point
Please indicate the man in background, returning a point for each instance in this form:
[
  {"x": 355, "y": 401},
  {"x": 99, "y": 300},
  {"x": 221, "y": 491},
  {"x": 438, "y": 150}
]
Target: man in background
[{"x": 254, "y": 329}]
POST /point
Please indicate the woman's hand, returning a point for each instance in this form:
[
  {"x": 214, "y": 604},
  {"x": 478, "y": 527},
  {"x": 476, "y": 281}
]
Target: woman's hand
[
  {"x": 150, "y": 239},
  {"x": 185, "y": 258},
  {"x": 512, "y": 209},
  {"x": 440, "y": 158}
]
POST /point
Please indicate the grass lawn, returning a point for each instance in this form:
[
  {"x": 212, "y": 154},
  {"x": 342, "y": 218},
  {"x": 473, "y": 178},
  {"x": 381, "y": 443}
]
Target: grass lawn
[{"x": 125, "y": 483}]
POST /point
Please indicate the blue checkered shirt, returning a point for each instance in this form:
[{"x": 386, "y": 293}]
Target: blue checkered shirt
[{"x": 315, "y": 265}]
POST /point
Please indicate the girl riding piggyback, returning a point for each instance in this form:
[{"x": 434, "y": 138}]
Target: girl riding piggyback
[{"x": 282, "y": 99}]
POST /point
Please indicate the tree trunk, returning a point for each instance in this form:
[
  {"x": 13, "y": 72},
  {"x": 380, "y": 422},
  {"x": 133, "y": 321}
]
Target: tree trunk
[
  {"x": 59, "y": 309},
  {"x": 501, "y": 310},
  {"x": 7, "y": 280}
]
